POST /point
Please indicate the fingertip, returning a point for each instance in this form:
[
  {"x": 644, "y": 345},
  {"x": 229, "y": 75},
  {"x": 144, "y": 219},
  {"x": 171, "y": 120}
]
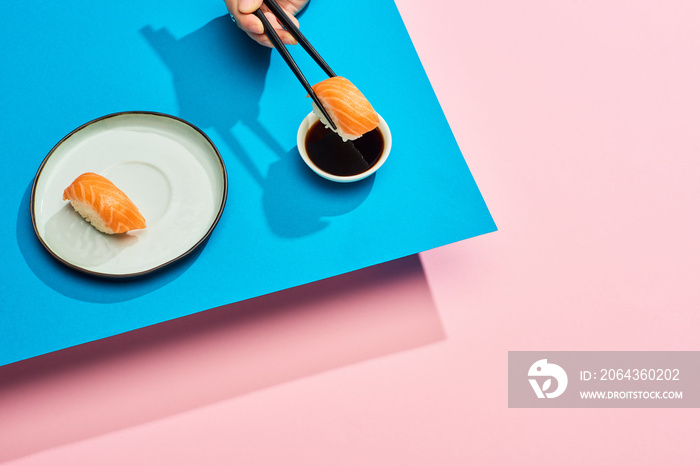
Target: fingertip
[
  {"x": 261, "y": 39},
  {"x": 251, "y": 24},
  {"x": 249, "y": 6},
  {"x": 288, "y": 39},
  {"x": 264, "y": 40},
  {"x": 293, "y": 19}
]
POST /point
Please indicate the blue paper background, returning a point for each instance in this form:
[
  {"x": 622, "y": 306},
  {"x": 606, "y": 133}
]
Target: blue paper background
[{"x": 70, "y": 62}]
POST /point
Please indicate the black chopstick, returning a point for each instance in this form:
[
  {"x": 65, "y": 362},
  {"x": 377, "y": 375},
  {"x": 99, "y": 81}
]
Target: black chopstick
[
  {"x": 296, "y": 33},
  {"x": 277, "y": 42}
]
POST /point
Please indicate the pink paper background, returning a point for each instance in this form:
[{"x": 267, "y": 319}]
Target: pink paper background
[{"x": 579, "y": 121}]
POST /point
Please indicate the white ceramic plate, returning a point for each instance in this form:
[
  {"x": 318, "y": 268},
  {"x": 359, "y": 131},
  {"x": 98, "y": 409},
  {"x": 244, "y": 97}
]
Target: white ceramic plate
[{"x": 170, "y": 169}]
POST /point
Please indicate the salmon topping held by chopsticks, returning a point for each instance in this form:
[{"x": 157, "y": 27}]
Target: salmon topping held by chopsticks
[{"x": 347, "y": 106}]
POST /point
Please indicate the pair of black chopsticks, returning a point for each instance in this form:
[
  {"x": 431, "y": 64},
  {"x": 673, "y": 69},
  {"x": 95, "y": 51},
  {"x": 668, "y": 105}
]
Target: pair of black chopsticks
[{"x": 296, "y": 33}]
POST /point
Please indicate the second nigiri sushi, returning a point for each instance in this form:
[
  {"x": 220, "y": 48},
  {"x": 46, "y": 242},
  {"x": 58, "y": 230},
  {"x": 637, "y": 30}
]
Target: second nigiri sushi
[
  {"x": 104, "y": 205},
  {"x": 349, "y": 109}
]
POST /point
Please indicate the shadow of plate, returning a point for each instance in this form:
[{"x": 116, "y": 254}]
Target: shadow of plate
[{"x": 79, "y": 285}]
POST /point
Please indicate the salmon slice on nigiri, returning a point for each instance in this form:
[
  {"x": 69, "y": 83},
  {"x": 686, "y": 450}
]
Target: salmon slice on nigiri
[
  {"x": 349, "y": 109},
  {"x": 104, "y": 205}
]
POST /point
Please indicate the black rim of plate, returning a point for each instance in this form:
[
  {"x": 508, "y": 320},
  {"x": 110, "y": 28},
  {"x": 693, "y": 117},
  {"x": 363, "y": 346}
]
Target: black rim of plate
[{"x": 164, "y": 264}]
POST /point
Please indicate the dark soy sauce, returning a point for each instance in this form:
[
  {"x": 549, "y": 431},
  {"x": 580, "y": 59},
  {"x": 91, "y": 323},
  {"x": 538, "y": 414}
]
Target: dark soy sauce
[{"x": 329, "y": 153}]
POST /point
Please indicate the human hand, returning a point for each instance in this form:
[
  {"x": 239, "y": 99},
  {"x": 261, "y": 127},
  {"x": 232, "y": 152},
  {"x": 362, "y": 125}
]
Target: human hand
[{"x": 242, "y": 11}]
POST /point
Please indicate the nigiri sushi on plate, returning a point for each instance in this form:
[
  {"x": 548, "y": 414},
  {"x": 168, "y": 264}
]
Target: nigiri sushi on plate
[
  {"x": 131, "y": 168},
  {"x": 104, "y": 205}
]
